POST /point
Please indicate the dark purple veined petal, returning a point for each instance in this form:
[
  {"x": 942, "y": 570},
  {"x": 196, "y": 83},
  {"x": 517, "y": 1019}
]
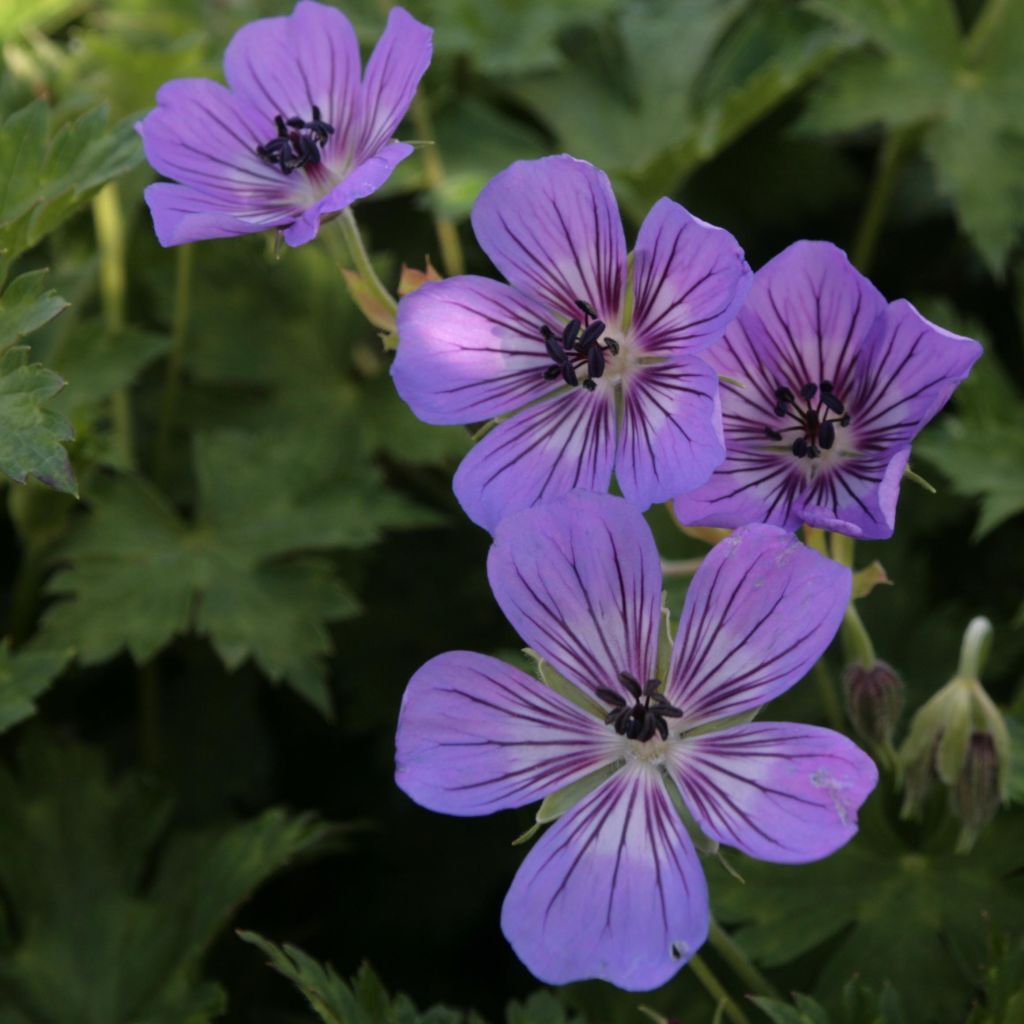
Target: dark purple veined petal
[
  {"x": 361, "y": 181},
  {"x": 778, "y": 792},
  {"x": 858, "y": 496},
  {"x": 670, "y": 434},
  {"x": 182, "y": 214},
  {"x": 560, "y": 444},
  {"x": 689, "y": 280},
  {"x": 393, "y": 72},
  {"x": 476, "y": 735},
  {"x": 613, "y": 890},
  {"x": 580, "y": 581},
  {"x": 905, "y": 377},
  {"x": 469, "y": 348},
  {"x": 287, "y": 65},
  {"x": 552, "y": 228},
  {"x": 761, "y": 610}
]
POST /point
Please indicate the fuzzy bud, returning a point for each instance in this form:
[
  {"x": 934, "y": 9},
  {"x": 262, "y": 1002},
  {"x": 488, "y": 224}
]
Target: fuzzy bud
[
  {"x": 976, "y": 794},
  {"x": 874, "y": 701}
]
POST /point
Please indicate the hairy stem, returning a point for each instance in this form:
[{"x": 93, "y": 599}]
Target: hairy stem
[
  {"x": 856, "y": 638},
  {"x": 716, "y": 990},
  {"x": 829, "y": 695},
  {"x": 739, "y": 963},
  {"x": 360, "y": 258},
  {"x": 680, "y": 566},
  {"x": 175, "y": 361}
]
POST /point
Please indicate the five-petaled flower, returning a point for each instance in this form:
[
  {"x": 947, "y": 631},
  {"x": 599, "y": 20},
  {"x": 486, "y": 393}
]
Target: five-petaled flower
[
  {"x": 834, "y": 384},
  {"x": 300, "y": 133},
  {"x": 614, "y": 888},
  {"x": 589, "y": 369}
]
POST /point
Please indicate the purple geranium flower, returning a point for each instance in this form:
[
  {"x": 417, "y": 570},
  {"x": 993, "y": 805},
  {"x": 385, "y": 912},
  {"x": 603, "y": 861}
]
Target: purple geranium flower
[
  {"x": 590, "y": 371},
  {"x": 614, "y": 889},
  {"x": 836, "y": 385},
  {"x": 299, "y": 133}
]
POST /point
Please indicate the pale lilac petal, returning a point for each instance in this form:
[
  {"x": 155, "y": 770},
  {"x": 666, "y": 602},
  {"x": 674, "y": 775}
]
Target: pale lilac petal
[
  {"x": 469, "y": 349},
  {"x": 761, "y": 610},
  {"x": 203, "y": 136},
  {"x": 287, "y": 65},
  {"x": 398, "y": 62},
  {"x": 906, "y": 377},
  {"x": 360, "y": 182},
  {"x": 613, "y": 890},
  {"x": 670, "y": 437},
  {"x": 580, "y": 581},
  {"x": 552, "y": 228},
  {"x": 545, "y": 451},
  {"x": 476, "y": 735},
  {"x": 689, "y": 280},
  {"x": 778, "y": 792},
  {"x": 858, "y": 497},
  {"x": 182, "y": 214}
]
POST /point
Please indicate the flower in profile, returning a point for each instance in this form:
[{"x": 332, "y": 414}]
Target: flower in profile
[
  {"x": 299, "y": 133},
  {"x": 589, "y": 371},
  {"x": 833, "y": 384},
  {"x": 614, "y": 889}
]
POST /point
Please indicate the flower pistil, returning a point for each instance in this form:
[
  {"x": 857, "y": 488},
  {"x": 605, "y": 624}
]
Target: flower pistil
[{"x": 641, "y": 721}]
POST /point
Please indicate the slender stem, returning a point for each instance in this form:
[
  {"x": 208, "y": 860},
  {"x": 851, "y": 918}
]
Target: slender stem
[
  {"x": 108, "y": 222},
  {"x": 452, "y": 259},
  {"x": 856, "y": 638},
  {"x": 842, "y": 547},
  {"x": 363, "y": 267},
  {"x": 739, "y": 963},
  {"x": 716, "y": 990},
  {"x": 894, "y": 151},
  {"x": 681, "y": 566},
  {"x": 984, "y": 25},
  {"x": 829, "y": 696},
  {"x": 175, "y": 360}
]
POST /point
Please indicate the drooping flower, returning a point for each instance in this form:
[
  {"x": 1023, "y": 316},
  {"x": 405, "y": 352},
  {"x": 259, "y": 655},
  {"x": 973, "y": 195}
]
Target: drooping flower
[
  {"x": 299, "y": 133},
  {"x": 833, "y": 385},
  {"x": 614, "y": 889},
  {"x": 588, "y": 373}
]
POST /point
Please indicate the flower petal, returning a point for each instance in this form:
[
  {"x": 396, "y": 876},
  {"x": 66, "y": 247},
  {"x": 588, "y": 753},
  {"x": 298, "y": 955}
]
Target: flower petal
[
  {"x": 580, "y": 581},
  {"x": 543, "y": 452},
  {"x": 778, "y": 792},
  {"x": 906, "y": 377},
  {"x": 612, "y": 890},
  {"x": 670, "y": 438},
  {"x": 689, "y": 280},
  {"x": 361, "y": 181},
  {"x": 397, "y": 64},
  {"x": 183, "y": 214},
  {"x": 287, "y": 65},
  {"x": 469, "y": 348},
  {"x": 552, "y": 227},
  {"x": 761, "y": 610},
  {"x": 476, "y": 735},
  {"x": 858, "y": 496}
]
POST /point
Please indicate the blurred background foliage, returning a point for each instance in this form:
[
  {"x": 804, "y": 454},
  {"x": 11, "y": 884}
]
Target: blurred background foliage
[{"x": 227, "y": 495}]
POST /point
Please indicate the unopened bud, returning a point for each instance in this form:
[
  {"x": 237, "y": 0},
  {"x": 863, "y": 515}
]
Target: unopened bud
[
  {"x": 976, "y": 796},
  {"x": 874, "y": 701}
]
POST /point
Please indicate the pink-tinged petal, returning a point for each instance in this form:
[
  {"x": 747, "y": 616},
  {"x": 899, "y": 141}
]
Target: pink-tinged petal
[
  {"x": 858, "y": 496},
  {"x": 360, "y": 182},
  {"x": 778, "y": 792},
  {"x": 580, "y": 581},
  {"x": 182, "y": 214},
  {"x": 469, "y": 349},
  {"x": 670, "y": 437},
  {"x": 761, "y": 610},
  {"x": 476, "y": 735},
  {"x": 561, "y": 444},
  {"x": 203, "y": 136},
  {"x": 552, "y": 227},
  {"x": 398, "y": 62},
  {"x": 905, "y": 378},
  {"x": 287, "y": 65},
  {"x": 613, "y": 890},
  {"x": 689, "y": 280},
  {"x": 809, "y": 315}
]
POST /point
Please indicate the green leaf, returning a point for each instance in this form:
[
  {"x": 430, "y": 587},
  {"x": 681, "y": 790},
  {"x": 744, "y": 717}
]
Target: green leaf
[
  {"x": 31, "y": 435},
  {"x": 807, "y": 1011},
  {"x": 1003, "y": 1001},
  {"x": 25, "y": 307},
  {"x": 24, "y": 676},
  {"x": 115, "y": 918}
]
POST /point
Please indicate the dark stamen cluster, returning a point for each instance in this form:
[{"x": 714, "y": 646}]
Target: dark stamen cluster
[
  {"x": 816, "y": 432},
  {"x": 639, "y": 721},
  {"x": 297, "y": 143},
  {"x": 578, "y": 343}
]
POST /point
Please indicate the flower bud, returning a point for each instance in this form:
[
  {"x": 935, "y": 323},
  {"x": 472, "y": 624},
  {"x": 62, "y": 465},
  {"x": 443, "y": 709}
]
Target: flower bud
[
  {"x": 874, "y": 701},
  {"x": 976, "y": 794}
]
